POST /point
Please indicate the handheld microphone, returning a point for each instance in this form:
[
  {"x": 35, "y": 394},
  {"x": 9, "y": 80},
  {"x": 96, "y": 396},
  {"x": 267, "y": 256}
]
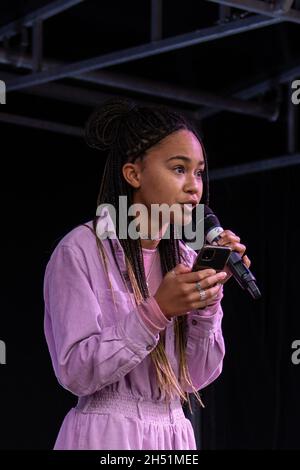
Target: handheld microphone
[{"x": 244, "y": 277}]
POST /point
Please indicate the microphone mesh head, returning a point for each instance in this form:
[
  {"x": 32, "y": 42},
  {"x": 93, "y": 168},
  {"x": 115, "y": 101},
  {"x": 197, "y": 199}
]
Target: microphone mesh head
[{"x": 210, "y": 220}]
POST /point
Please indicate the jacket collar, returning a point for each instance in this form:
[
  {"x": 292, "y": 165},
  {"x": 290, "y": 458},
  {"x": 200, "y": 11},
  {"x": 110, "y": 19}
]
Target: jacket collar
[{"x": 105, "y": 228}]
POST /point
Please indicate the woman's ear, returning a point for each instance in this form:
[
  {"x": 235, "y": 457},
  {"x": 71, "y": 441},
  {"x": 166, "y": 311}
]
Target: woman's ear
[{"x": 131, "y": 173}]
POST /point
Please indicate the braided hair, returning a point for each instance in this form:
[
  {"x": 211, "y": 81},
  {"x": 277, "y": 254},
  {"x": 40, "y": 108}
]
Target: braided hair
[{"x": 125, "y": 131}]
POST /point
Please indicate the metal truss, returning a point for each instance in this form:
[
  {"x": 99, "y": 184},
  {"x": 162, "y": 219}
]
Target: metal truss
[
  {"x": 150, "y": 88},
  {"x": 259, "y": 87},
  {"x": 43, "y": 13},
  {"x": 42, "y": 125},
  {"x": 254, "y": 167},
  {"x": 41, "y": 75},
  {"x": 140, "y": 52},
  {"x": 157, "y": 90},
  {"x": 277, "y": 9},
  {"x": 44, "y": 72}
]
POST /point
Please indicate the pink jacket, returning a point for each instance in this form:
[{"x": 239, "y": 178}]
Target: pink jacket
[{"x": 97, "y": 348}]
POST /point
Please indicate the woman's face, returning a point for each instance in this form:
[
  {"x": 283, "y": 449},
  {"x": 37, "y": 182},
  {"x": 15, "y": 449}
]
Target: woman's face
[{"x": 170, "y": 173}]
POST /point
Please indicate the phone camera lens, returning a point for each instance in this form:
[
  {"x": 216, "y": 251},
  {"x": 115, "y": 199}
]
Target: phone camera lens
[{"x": 208, "y": 255}]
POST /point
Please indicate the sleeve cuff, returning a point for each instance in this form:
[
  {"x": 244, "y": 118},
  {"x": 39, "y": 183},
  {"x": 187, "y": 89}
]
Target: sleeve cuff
[
  {"x": 152, "y": 316},
  {"x": 203, "y": 324}
]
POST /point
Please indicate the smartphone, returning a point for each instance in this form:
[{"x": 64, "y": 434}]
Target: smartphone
[{"x": 212, "y": 256}]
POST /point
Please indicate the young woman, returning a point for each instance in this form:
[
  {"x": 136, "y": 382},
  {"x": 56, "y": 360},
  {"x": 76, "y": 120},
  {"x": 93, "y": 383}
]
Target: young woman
[{"x": 130, "y": 329}]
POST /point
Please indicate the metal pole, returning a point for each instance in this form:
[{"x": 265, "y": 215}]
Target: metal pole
[
  {"x": 143, "y": 51},
  {"x": 47, "y": 11},
  {"x": 82, "y": 96},
  {"x": 128, "y": 83},
  {"x": 224, "y": 13},
  {"x": 156, "y": 20},
  {"x": 37, "y": 45},
  {"x": 254, "y": 167},
  {"x": 260, "y": 7},
  {"x": 257, "y": 88},
  {"x": 282, "y": 6},
  {"x": 43, "y": 125}
]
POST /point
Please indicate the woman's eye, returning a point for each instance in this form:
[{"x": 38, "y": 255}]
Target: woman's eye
[
  {"x": 199, "y": 173},
  {"x": 179, "y": 168}
]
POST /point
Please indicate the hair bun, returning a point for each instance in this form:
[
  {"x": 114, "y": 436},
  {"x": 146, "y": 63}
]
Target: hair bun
[{"x": 102, "y": 128}]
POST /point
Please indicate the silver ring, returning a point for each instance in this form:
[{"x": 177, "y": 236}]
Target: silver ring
[{"x": 201, "y": 291}]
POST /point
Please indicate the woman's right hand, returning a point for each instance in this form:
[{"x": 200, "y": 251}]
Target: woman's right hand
[{"x": 177, "y": 293}]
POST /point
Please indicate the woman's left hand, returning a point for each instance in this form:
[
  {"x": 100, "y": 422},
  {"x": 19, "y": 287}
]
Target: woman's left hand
[{"x": 228, "y": 238}]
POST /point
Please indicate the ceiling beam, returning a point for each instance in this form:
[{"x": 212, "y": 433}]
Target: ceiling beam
[
  {"x": 262, "y": 8},
  {"x": 24, "y": 121},
  {"x": 82, "y": 96},
  {"x": 42, "y": 13},
  {"x": 174, "y": 93},
  {"x": 143, "y": 51},
  {"x": 260, "y": 87},
  {"x": 254, "y": 167}
]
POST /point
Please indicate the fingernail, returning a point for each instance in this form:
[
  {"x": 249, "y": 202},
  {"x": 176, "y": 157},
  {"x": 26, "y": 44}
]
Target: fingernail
[{"x": 222, "y": 275}]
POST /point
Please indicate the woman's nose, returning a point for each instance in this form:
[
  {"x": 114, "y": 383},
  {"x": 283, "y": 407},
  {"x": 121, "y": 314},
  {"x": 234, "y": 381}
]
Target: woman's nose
[{"x": 193, "y": 185}]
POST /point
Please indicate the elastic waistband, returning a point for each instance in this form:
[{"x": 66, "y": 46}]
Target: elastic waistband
[{"x": 130, "y": 406}]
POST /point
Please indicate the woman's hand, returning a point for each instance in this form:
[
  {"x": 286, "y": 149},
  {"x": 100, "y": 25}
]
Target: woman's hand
[
  {"x": 228, "y": 238},
  {"x": 178, "y": 294}
]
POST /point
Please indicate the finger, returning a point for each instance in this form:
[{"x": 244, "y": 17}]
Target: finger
[
  {"x": 207, "y": 282},
  {"x": 208, "y": 276},
  {"x": 229, "y": 274},
  {"x": 212, "y": 280},
  {"x": 195, "y": 276},
  {"x": 229, "y": 239},
  {"x": 246, "y": 261},
  {"x": 210, "y": 295},
  {"x": 180, "y": 269},
  {"x": 238, "y": 247},
  {"x": 227, "y": 233}
]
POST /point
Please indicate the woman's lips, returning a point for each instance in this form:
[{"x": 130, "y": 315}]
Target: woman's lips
[{"x": 188, "y": 206}]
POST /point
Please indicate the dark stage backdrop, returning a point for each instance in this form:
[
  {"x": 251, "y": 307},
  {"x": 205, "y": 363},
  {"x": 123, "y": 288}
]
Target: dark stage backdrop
[
  {"x": 51, "y": 184},
  {"x": 255, "y": 402}
]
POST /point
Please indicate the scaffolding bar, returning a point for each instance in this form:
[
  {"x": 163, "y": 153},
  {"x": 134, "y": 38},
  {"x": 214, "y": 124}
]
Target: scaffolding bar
[
  {"x": 37, "y": 46},
  {"x": 256, "y": 89},
  {"x": 262, "y": 8},
  {"x": 254, "y": 167},
  {"x": 156, "y": 20},
  {"x": 42, "y": 13},
  {"x": 42, "y": 125},
  {"x": 143, "y": 51}
]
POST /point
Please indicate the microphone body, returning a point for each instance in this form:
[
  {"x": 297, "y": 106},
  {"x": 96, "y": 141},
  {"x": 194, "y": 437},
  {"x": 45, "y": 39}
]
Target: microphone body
[{"x": 244, "y": 277}]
